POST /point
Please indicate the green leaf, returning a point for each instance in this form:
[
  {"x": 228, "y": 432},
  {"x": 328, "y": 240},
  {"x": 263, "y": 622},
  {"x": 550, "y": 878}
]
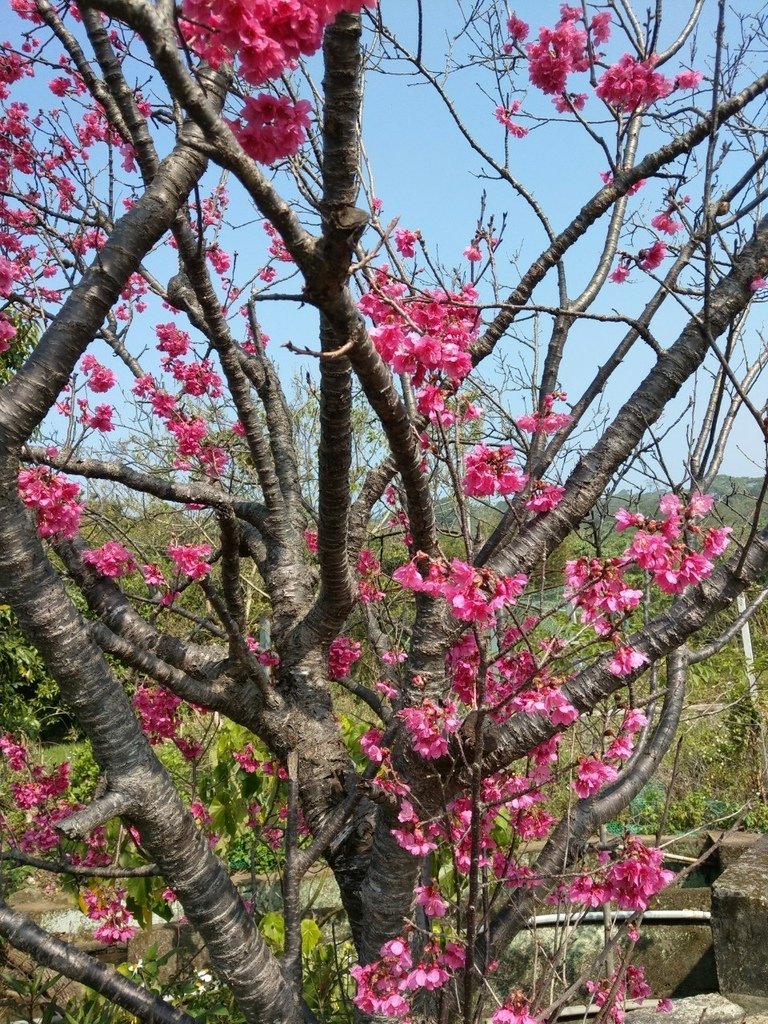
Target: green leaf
[
  {"x": 273, "y": 929},
  {"x": 311, "y": 935}
]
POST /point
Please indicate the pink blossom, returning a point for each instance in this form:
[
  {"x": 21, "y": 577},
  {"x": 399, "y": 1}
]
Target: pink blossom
[
  {"x": 370, "y": 744},
  {"x": 173, "y": 341},
  {"x": 9, "y": 273},
  {"x": 653, "y": 257},
  {"x": 637, "y": 876},
  {"x": 557, "y": 53},
  {"x": 414, "y": 836},
  {"x": 517, "y": 28},
  {"x": 592, "y": 776},
  {"x": 514, "y": 1011},
  {"x": 15, "y": 753},
  {"x": 158, "y": 711},
  {"x": 189, "y": 559},
  {"x": 504, "y": 116},
  {"x": 55, "y": 500},
  {"x": 489, "y": 471},
  {"x": 343, "y": 652},
  {"x": 545, "y": 497},
  {"x": 111, "y": 559},
  {"x": 688, "y": 79},
  {"x": 405, "y": 242},
  {"x": 630, "y": 84},
  {"x": 7, "y": 333},
  {"x": 428, "y": 897},
  {"x": 757, "y": 283},
  {"x": 625, "y": 519},
  {"x": 43, "y": 787},
  {"x": 428, "y": 725},
  {"x": 117, "y": 922},
  {"x": 369, "y": 570},
  {"x": 666, "y": 223},
  {"x": 600, "y": 27},
  {"x": 99, "y": 419},
  {"x": 100, "y": 378},
  {"x": 545, "y": 420},
  {"x": 246, "y": 759},
  {"x": 570, "y": 101},
  {"x": 717, "y": 540},
  {"x": 626, "y": 660},
  {"x": 634, "y": 721},
  {"x": 700, "y": 504},
  {"x": 620, "y": 273},
  {"x": 153, "y": 575},
  {"x": 274, "y": 127}
]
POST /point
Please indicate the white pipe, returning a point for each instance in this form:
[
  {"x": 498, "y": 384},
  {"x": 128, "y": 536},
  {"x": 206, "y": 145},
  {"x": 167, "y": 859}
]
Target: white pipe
[{"x": 649, "y": 917}]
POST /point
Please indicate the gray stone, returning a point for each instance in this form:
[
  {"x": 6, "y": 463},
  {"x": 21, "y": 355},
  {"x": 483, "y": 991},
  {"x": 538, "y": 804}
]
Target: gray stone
[
  {"x": 706, "y": 1009},
  {"x": 730, "y": 847},
  {"x": 740, "y": 924}
]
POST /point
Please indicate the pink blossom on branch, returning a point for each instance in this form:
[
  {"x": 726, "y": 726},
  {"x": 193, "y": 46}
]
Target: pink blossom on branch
[
  {"x": 489, "y": 471},
  {"x": 272, "y": 127},
  {"x": 343, "y": 652},
  {"x": 405, "y": 242},
  {"x": 652, "y": 258},
  {"x": 545, "y": 420},
  {"x": 630, "y": 84},
  {"x": 55, "y": 500},
  {"x": 111, "y": 559},
  {"x": 428, "y": 725},
  {"x": 504, "y": 116},
  {"x": 100, "y": 378},
  {"x": 190, "y": 559}
]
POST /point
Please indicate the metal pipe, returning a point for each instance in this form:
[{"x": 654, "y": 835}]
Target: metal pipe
[{"x": 649, "y": 917}]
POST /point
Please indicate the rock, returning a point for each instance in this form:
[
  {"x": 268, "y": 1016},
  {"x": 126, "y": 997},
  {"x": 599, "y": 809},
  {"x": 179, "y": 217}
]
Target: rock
[
  {"x": 730, "y": 847},
  {"x": 706, "y": 1009},
  {"x": 740, "y": 925}
]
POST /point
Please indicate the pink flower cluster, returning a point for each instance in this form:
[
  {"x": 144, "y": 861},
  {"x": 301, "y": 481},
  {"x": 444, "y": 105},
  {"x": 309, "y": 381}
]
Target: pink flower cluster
[
  {"x": 423, "y": 334},
  {"x": 428, "y": 725},
  {"x": 473, "y": 595},
  {"x": 117, "y": 922},
  {"x": 663, "y": 547},
  {"x": 546, "y": 420},
  {"x": 100, "y": 378},
  {"x": 343, "y": 652},
  {"x": 159, "y": 711},
  {"x": 417, "y": 837},
  {"x": 630, "y": 880},
  {"x": 272, "y": 128},
  {"x": 505, "y": 115},
  {"x": 190, "y": 559},
  {"x": 54, "y": 498},
  {"x": 558, "y": 52},
  {"x": 189, "y": 431},
  {"x": 15, "y": 753},
  {"x": 43, "y": 786},
  {"x": 369, "y": 572},
  {"x": 111, "y": 559},
  {"x": 624, "y": 983},
  {"x": 383, "y": 987},
  {"x": 631, "y": 83},
  {"x": 268, "y": 37},
  {"x": 489, "y": 471},
  {"x": 514, "y": 1010},
  {"x": 596, "y": 586}
]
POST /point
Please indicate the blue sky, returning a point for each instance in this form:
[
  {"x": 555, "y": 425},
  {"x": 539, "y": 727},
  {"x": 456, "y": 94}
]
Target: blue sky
[{"x": 428, "y": 176}]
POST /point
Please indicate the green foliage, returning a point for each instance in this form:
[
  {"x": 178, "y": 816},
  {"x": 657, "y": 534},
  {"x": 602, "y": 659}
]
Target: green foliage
[{"x": 28, "y": 695}]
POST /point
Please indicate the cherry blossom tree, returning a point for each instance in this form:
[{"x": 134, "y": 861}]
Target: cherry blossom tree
[{"x": 173, "y": 177}]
